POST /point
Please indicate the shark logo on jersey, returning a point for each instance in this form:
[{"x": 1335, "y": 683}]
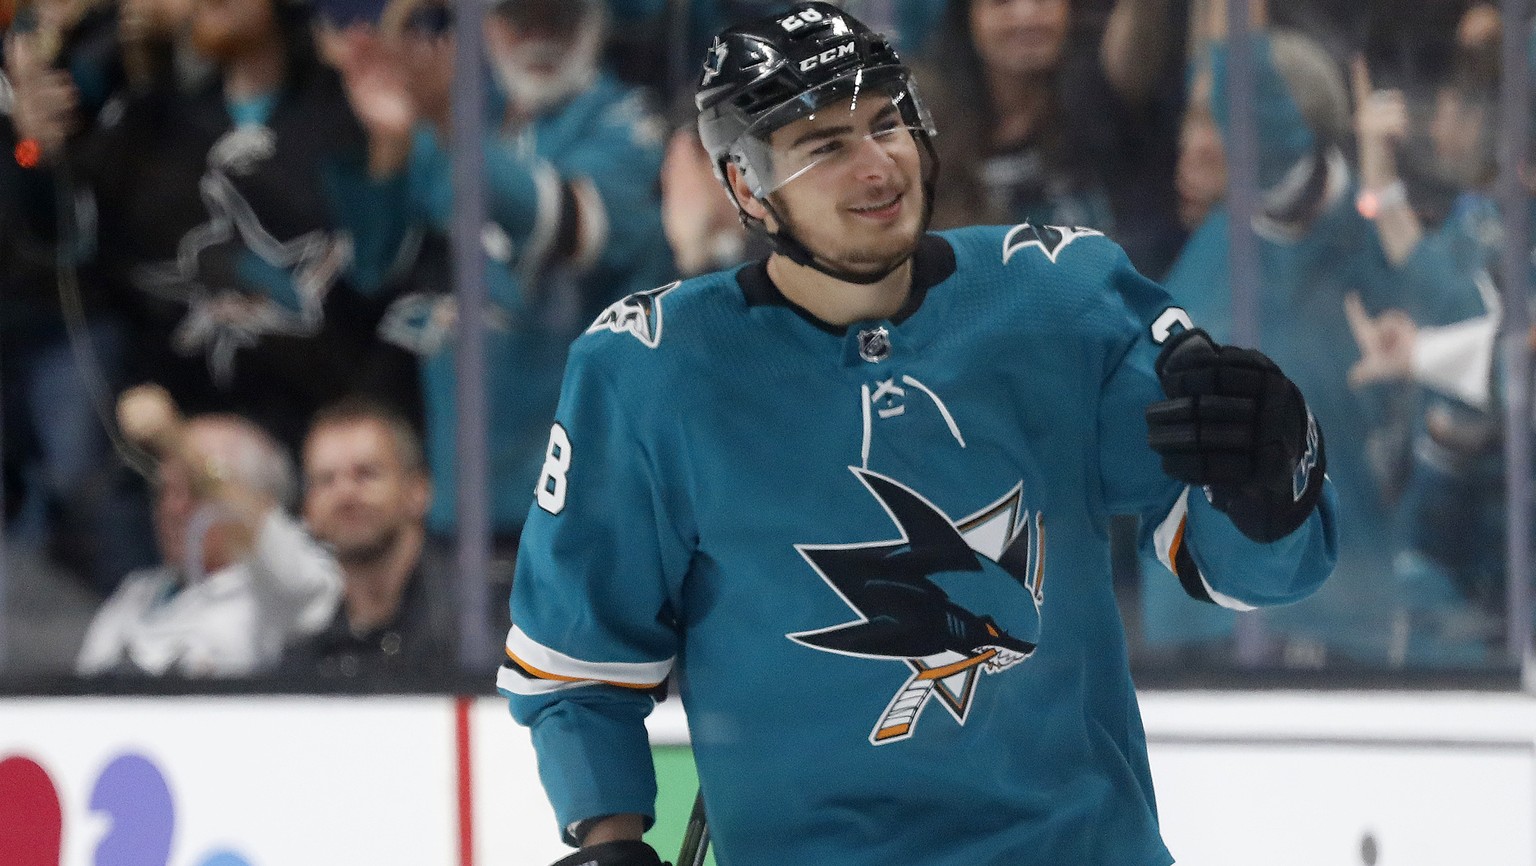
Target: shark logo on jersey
[
  {"x": 950, "y": 600},
  {"x": 638, "y": 314},
  {"x": 240, "y": 283},
  {"x": 1050, "y": 239}
]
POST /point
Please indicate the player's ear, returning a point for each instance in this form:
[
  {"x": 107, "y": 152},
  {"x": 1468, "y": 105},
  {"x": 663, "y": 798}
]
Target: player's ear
[{"x": 742, "y": 192}]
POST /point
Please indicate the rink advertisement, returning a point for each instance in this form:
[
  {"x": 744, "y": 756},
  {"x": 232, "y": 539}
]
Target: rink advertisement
[{"x": 1250, "y": 779}]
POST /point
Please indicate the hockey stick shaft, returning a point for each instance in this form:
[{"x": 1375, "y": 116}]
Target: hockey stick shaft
[{"x": 696, "y": 839}]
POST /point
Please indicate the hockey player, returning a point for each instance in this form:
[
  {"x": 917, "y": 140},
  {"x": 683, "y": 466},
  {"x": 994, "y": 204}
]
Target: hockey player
[{"x": 854, "y": 498}]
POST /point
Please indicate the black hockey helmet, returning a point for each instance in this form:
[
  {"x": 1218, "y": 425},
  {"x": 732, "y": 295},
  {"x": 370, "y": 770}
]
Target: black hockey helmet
[{"x": 767, "y": 73}]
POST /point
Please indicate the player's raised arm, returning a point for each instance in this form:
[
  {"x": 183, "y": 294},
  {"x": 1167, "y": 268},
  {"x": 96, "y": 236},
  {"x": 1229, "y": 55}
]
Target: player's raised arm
[
  {"x": 1216, "y": 450},
  {"x": 1255, "y": 524}
]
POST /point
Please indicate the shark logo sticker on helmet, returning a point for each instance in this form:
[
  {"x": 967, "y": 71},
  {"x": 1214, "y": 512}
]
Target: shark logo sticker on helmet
[{"x": 715, "y": 62}]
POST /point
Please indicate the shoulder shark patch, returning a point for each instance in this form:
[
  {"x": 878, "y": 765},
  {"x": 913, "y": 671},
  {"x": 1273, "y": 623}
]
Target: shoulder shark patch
[
  {"x": 1050, "y": 239},
  {"x": 638, "y": 315}
]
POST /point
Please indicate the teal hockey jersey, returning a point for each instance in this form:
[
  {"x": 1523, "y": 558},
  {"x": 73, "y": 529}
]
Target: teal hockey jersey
[{"x": 875, "y": 559}]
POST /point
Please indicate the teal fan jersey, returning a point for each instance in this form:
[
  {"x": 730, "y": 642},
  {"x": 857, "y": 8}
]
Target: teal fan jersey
[{"x": 874, "y": 558}]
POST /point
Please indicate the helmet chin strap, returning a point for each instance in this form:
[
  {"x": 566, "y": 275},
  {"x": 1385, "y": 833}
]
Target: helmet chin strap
[{"x": 793, "y": 249}]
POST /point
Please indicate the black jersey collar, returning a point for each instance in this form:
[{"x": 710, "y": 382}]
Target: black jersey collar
[{"x": 932, "y": 263}]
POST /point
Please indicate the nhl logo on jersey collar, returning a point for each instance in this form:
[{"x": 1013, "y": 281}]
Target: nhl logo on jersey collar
[{"x": 875, "y": 344}]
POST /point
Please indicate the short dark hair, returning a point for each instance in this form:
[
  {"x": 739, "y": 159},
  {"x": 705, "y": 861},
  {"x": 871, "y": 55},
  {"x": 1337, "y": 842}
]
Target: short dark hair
[{"x": 358, "y": 407}]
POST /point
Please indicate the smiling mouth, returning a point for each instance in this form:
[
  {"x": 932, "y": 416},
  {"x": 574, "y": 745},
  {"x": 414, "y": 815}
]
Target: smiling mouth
[{"x": 879, "y": 208}]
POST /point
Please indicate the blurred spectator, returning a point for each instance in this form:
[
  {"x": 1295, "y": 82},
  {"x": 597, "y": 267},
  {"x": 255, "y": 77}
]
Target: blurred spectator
[
  {"x": 1449, "y": 565},
  {"x": 215, "y": 235},
  {"x": 238, "y": 578},
  {"x": 1043, "y": 128},
  {"x": 1460, "y": 131},
  {"x": 1314, "y": 249},
  {"x": 703, "y": 226},
  {"x": 365, "y": 496},
  {"x": 1449, "y": 559},
  {"x": 61, "y": 347},
  {"x": 572, "y": 160}
]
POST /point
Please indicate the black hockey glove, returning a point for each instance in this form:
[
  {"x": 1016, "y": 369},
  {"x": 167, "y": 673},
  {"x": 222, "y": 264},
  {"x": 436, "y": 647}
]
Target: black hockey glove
[
  {"x": 626, "y": 852},
  {"x": 1235, "y": 425}
]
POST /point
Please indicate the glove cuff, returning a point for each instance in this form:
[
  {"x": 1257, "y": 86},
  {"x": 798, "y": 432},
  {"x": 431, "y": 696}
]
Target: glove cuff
[{"x": 624, "y": 852}]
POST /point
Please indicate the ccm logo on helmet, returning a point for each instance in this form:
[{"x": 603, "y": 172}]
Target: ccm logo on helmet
[{"x": 827, "y": 56}]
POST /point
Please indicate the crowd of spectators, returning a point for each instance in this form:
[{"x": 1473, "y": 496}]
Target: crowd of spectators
[{"x": 226, "y": 242}]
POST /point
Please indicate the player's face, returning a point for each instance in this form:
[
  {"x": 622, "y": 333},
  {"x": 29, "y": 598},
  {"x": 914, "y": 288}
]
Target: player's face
[
  {"x": 1019, "y": 37},
  {"x": 1201, "y": 179},
  {"x": 854, "y": 194},
  {"x": 358, "y": 494}
]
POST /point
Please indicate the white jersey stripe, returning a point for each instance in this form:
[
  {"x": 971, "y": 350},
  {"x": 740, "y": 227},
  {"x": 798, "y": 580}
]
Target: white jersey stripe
[
  {"x": 1169, "y": 535},
  {"x": 1225, "y": 601},
  {"x": 549, "y": 664},
  {"x": 511, "y": 681}
]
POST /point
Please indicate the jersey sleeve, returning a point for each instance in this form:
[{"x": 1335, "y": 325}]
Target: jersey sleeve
[
  {"x": 297, "y": 584},
  {"x": 1438, "y": 281},
  {"x": 523, "y": 194},
  {"x": 614, "y": 177},
  {"x": 1180, "y": 530},
  {"x": 593, "y": 607}
]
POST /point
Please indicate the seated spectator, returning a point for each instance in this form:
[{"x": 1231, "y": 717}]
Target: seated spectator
[
  {"x": 238, "y": 579},
  {"x": 572, "y": 160},
  {"x": 1043, "y": 127},
  {"x": 365, "y": 496}
]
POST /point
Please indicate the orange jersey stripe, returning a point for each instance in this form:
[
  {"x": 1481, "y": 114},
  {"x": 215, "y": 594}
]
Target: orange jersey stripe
[
  {"x": 1178, "y": 542},
  {"x": 546, "y": 675}
]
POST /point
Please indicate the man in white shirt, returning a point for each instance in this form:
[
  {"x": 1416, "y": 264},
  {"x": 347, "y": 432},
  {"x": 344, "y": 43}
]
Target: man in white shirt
[{"x": 239, "y": 578}]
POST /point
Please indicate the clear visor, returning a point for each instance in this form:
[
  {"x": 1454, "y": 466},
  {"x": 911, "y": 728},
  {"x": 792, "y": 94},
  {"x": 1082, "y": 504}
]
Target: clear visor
[{"x": 859, "y": 115}]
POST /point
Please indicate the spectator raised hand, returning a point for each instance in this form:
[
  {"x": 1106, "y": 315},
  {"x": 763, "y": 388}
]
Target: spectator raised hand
[
  {"x": 45, "y": 98},
  {"x": 1385, "y": 341},
  {"x": 376, "y": 86}
]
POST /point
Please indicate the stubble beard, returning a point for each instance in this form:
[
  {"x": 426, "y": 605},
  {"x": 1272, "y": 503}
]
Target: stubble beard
[
  {"x": 369, "y": 551},
  {"x": 874, "y": 259}
]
